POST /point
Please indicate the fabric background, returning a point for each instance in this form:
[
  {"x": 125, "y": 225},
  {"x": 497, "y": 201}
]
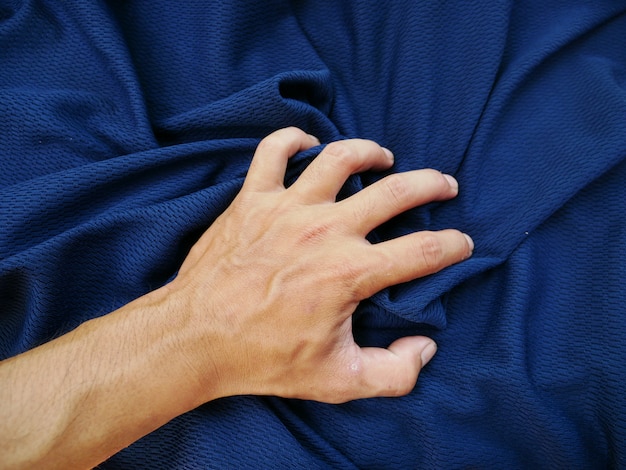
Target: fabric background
[{"x": 127, "y": 127}]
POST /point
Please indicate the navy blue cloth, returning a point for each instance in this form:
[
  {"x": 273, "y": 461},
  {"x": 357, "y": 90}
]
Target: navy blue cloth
[{"x": 127, "y": 127}]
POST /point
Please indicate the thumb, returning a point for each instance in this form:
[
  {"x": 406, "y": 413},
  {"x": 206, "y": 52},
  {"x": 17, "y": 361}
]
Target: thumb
[{"x": 393, "y": 371}]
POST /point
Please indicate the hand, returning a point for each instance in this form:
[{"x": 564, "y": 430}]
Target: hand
[
  {"x": 270, "y": 288},
  {"x": 261, "y": 305}
]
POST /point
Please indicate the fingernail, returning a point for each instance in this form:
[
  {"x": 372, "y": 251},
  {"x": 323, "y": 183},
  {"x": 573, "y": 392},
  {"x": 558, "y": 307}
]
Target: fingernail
[
  {"x": 428, "y": 352},
  {"x": 470, "y": 242},
  {"x": 389, "y": 153},
  {"x": 454, "y": 184}
]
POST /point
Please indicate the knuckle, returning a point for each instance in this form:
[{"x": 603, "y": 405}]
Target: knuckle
[
  {"x": 342, "y": 154},
  {"x": 271, "y": 144},
  {"x": 430, "y": 251},
  {"x": 397, "y": 189}
]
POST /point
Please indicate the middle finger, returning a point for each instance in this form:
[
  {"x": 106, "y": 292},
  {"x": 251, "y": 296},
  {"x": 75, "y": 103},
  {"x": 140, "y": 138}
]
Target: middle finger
[{"x": 395, "y": 194}]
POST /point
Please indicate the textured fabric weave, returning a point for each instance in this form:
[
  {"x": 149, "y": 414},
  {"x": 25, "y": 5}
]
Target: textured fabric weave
[{"x": 127, "y": 127}]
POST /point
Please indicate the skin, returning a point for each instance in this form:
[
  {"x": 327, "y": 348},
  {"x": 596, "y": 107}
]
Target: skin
[{"x": 261, "y": 305}]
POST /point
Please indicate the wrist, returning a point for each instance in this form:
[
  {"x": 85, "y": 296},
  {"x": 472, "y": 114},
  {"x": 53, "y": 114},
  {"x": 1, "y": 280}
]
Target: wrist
[{"x": 183, "y": 344}]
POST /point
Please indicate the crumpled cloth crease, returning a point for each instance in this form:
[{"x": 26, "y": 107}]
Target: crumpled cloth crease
[{"x": 126, "y": 128}]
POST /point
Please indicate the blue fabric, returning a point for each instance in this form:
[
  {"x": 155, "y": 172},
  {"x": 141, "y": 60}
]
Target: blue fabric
[{"x": 127, "y": 127}]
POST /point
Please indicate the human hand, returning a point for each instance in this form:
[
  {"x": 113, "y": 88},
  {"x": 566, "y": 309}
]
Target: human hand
[
  {"x": 261, "y": 305},
  {"x": 268, "y": 291}
]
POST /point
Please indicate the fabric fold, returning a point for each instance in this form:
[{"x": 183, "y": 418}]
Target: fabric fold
[{"x": 127, "y": 127}]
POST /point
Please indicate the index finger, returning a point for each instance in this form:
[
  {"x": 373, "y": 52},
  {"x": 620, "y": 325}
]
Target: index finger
[{"x": 269, "y": 163}]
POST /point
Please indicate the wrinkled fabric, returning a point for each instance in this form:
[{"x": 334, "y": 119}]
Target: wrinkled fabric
[{"x": 126, "y": 128}]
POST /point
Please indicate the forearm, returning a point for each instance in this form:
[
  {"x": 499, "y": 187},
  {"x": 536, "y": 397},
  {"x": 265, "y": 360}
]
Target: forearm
[{"x": 77, "y": 400}]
